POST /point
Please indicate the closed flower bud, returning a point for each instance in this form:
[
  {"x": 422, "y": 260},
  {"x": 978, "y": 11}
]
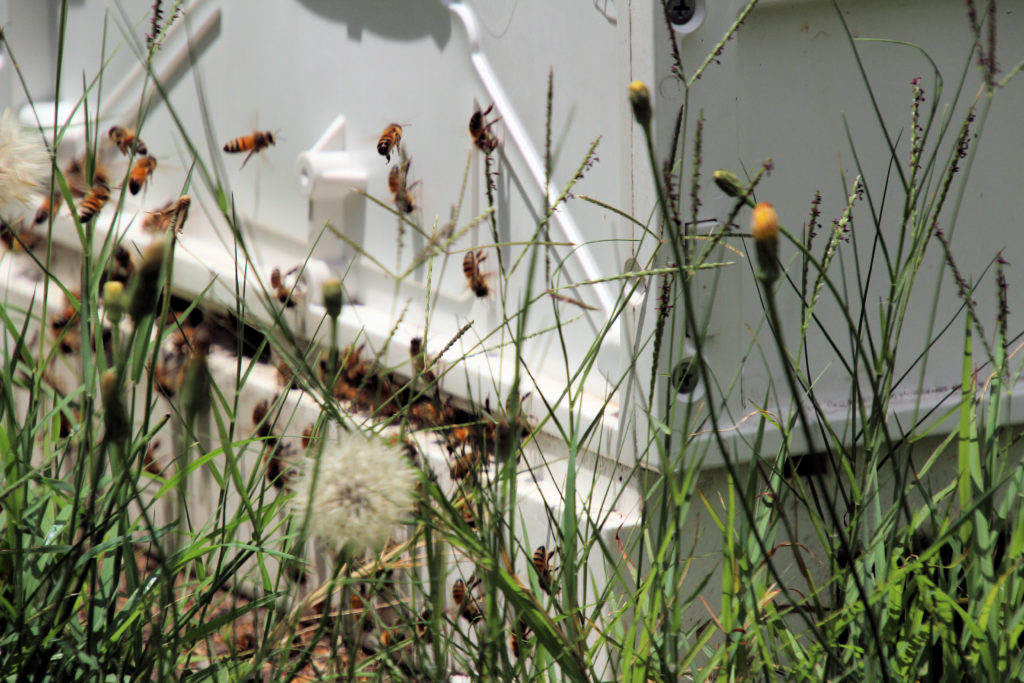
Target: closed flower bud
[
  {"x": 196, "y": 381},
  {"x": 764, "y": 228},
  {"x": 332, "y": 297},
  {"x": 115, "y": 416},
  {"x": 146, "y": 283},
  {"x": 727, "y": 182},
  {"x": 640, "y": 99},
  {"x": 113, "y": 300}
]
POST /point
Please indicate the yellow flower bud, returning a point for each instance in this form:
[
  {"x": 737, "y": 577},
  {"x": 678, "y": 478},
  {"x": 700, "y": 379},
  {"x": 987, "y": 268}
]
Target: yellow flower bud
[
  {"x": 764, "y": 223},
  {"x": 113, "y": 300},
  {"x": 640, "y": 99},
  {"x": 764, "y": 228}
]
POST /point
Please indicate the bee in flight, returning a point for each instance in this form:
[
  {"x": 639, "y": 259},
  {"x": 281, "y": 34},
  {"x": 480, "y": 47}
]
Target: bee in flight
[
  {"x": 400, "y": 192},
  {"x": 256, "y": 142},
  {"x": 170, "y": 215},
  {"x": 48, "y": 205},
  {"x": 127, "y": 141},
  {"x": 471, "y": 269},
  {"x": 98, "y": 195},
  {"x": 141, "y": 171},
  {"x": 389, "y": 141},
  {"x": 285, "y": 293},
  {"x": 479, "y": 129}
]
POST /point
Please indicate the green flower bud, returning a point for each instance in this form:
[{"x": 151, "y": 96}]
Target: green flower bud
[
  {"x": 728, "y": 182},
  {"x": 146, "y": 283},
  {"x": 332, "y": 297}
]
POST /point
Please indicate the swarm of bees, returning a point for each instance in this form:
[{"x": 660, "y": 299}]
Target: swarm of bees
[
  {"x": 480, "y": 129},
  {"x": 256, "y": 142},
  {"x": 389, "y": 141}
]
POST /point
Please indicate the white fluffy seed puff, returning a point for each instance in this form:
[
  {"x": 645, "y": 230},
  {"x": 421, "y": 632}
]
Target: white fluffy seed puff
[
  {"x": 24, "y": 162},
  {"x": 355, "y": 492}
]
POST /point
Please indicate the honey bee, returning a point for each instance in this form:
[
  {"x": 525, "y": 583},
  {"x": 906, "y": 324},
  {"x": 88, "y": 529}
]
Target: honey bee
[
  {"x": 277, "y": 454},
  {"x": 62, "y": 325},
  {"x": 127, "y": 141},
  {"x": 307, "y": 436},
  {"x": 389, "y": 141},
  {"x": 141, "y": 171},
  {"x": 149, "y": 461},
  {"x": 169, "y": 371},
  {"x": 471, "y": 269},
  {"x": 259, "y": 140},
  {"x": 469, "y": 606},
  {"x": 17, "y": 237},
  {"x": 282, "y": 292},
  {"x": 170, "y": 215},
  {"x": 542, "y": 565},
  {"x": 121, "y": 267},
  {"x": 479, "y": 129},
  {"x": 400, "y": 192},
  {"x": 520, "y": 635},
  {"x": 463, "y": 465},
  {"x": 47, "y": 206},
  {"x": 98, "y": 195},
  {"x": 423, "y": 626}
]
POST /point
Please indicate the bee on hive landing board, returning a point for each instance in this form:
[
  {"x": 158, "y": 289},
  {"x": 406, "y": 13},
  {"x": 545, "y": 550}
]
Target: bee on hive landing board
[
  {"x": 98, "y": 195},
  {"x": 127, "y": 141},
  {"x": 389, "y": 141},
  {"x": 259, "y": 140},
  {"x": 471, "y": 269},
  {"x": 468, "y": 606},
  {"x": 479, "y": 129},
  {"x": 170, "y": 215},
  {"x": 400, "y": 192},
  {"x": 141, "y": 171}
]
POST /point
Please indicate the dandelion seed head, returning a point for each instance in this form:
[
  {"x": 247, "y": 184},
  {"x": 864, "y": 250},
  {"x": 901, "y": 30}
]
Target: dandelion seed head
[
  {"x": 24, "y": 162},
  {"x": 357, "y": 490}
]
